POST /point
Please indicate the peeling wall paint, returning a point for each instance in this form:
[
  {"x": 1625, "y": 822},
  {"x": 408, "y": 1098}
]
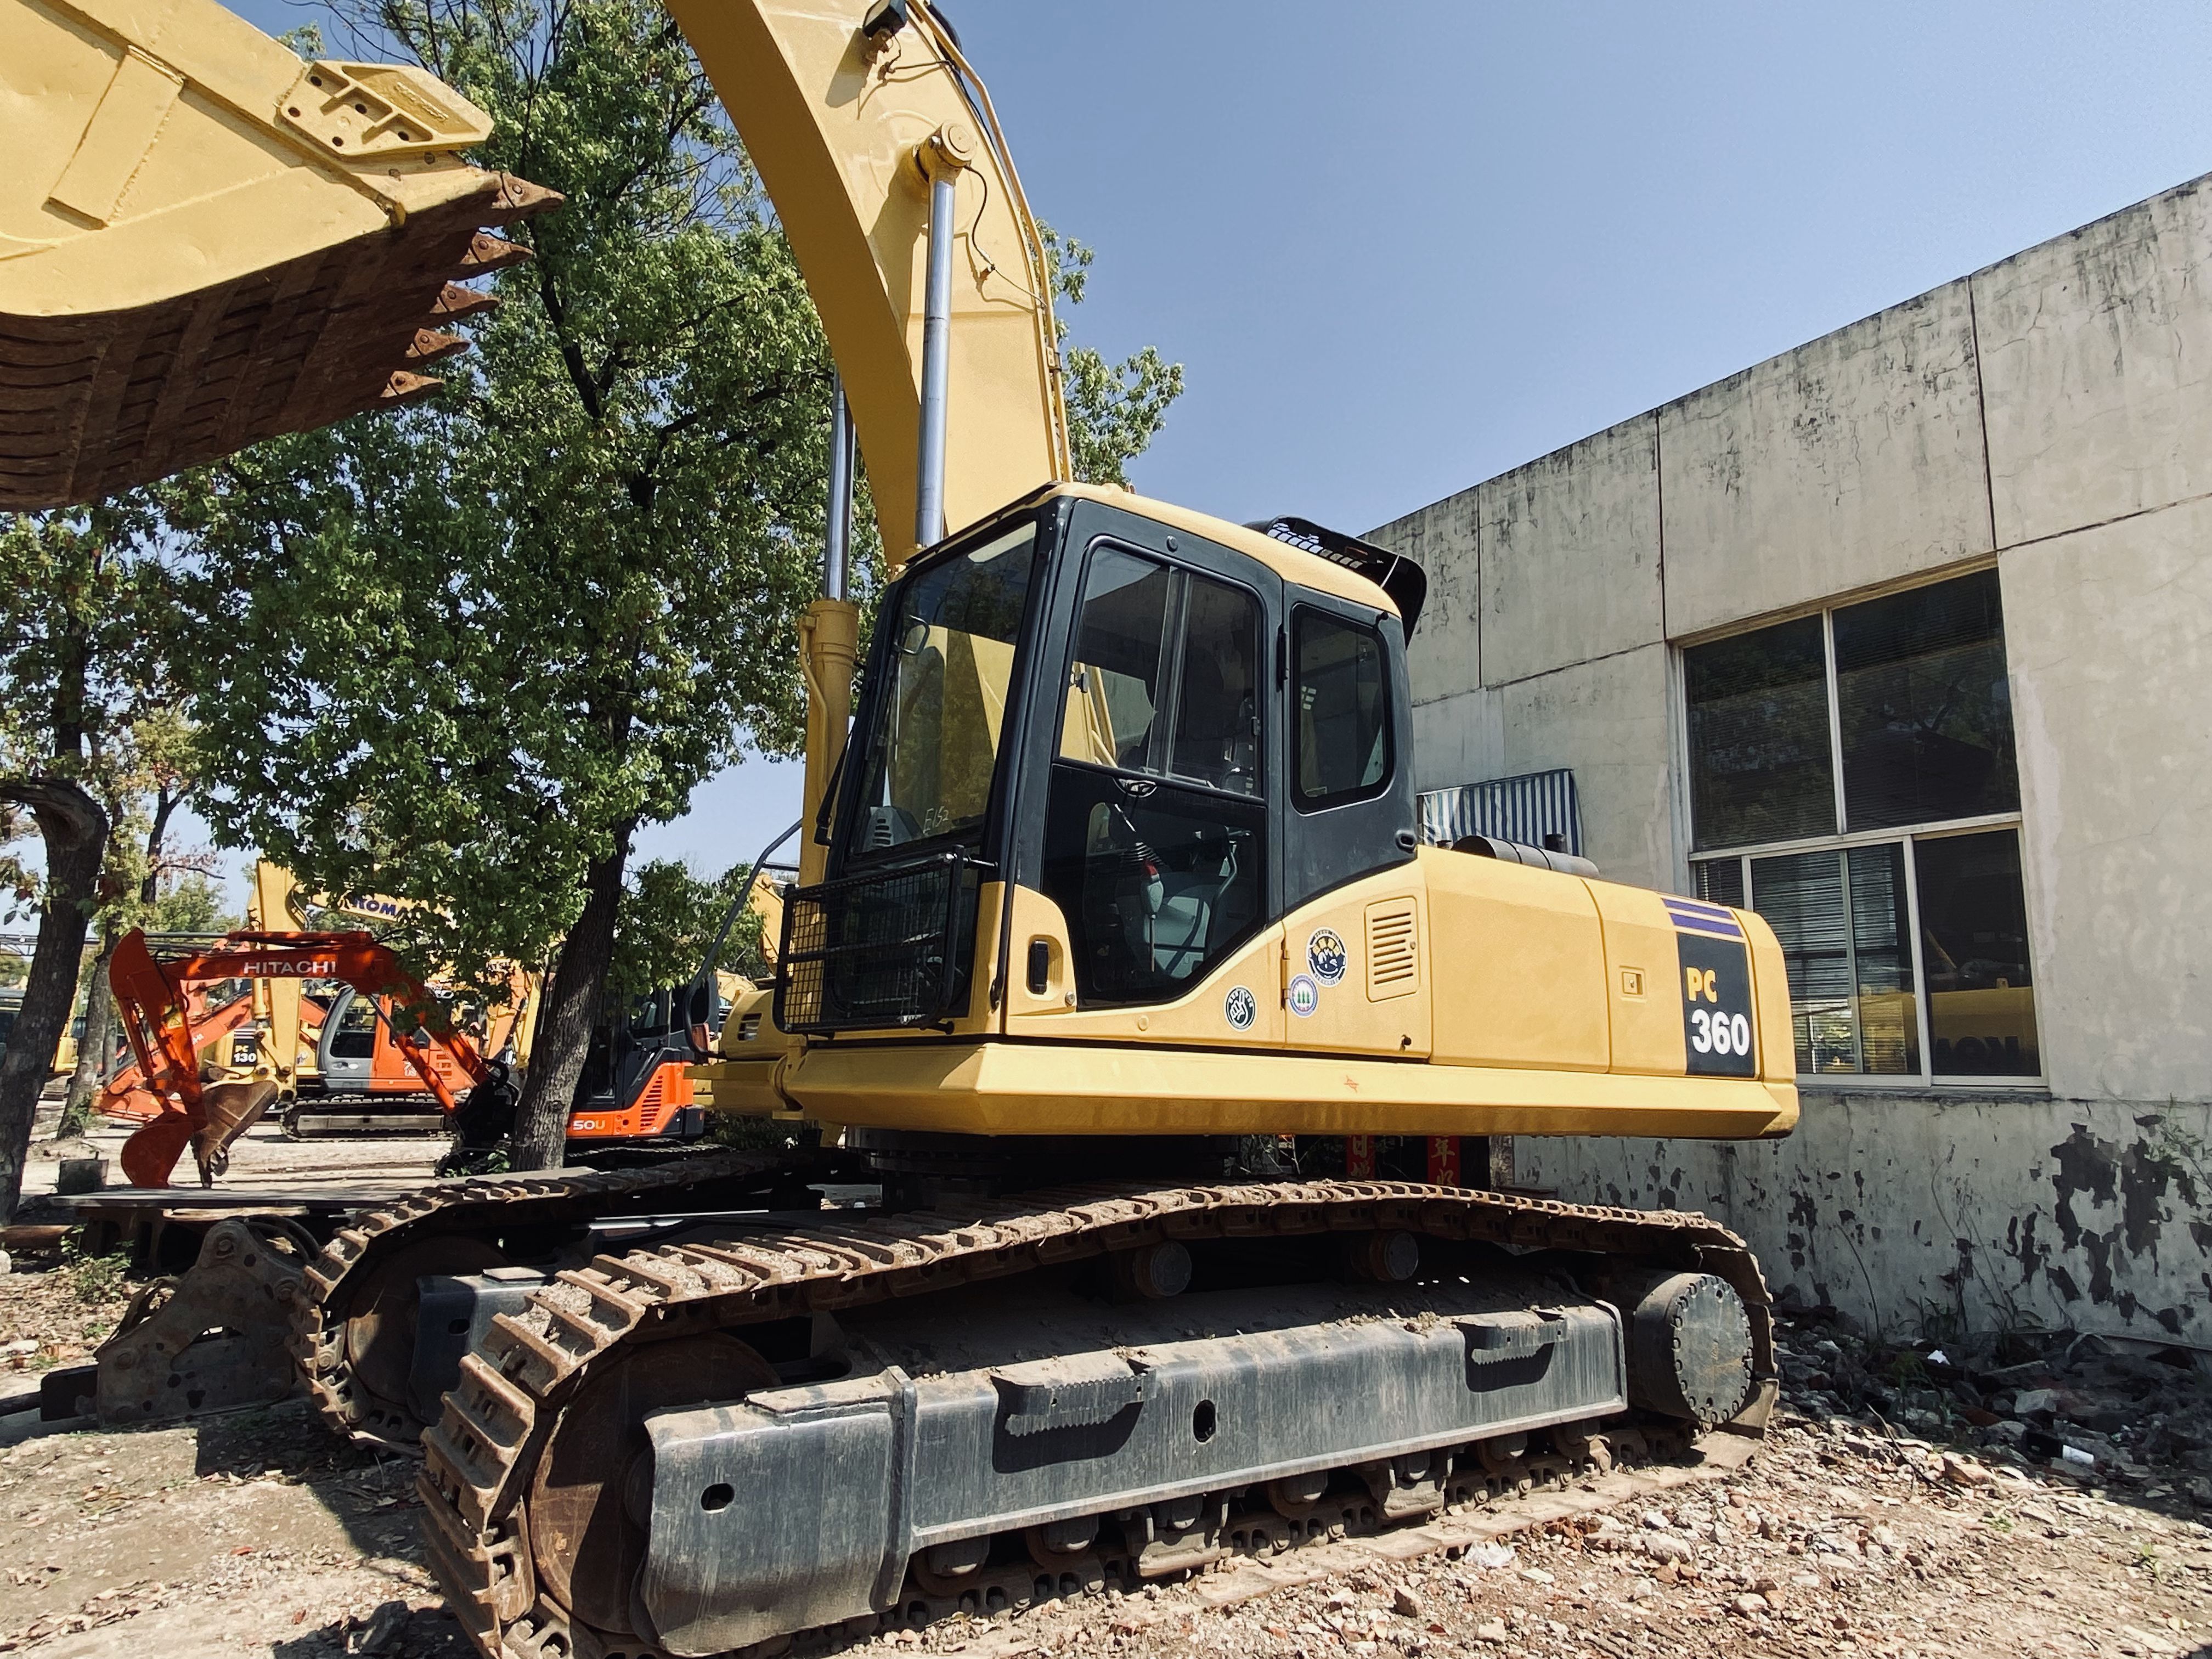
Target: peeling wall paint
[{"x": 1920, "y": 1216}]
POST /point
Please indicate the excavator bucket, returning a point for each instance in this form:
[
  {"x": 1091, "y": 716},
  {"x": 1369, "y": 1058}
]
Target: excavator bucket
[{"x": 205, "y": 241}]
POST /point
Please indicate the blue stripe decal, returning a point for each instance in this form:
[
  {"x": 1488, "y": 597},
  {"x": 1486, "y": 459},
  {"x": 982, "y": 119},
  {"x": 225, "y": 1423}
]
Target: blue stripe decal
[
  {"x": 1695, "y": 907},
  {"x": 1713, "y": 929}
]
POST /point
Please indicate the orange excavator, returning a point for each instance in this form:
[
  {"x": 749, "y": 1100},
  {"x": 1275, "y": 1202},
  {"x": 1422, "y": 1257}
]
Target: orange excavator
[
  {"x": 224, "y": 1031},
  {"x": 153, "y": 998}
]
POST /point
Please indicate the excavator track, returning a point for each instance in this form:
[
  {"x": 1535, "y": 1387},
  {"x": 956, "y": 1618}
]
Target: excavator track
[
  {"x": 485, "y": 1474},
  {"x": 336, "y": 1317}
]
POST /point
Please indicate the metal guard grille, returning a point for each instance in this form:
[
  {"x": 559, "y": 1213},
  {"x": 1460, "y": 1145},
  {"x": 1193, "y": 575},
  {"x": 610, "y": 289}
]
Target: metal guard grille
[{"x": 880, "y": 951}]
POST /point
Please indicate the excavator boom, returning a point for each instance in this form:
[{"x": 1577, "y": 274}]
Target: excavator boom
[
  {"x": 205, "y": 241},
  {"x": 841, "y": 120}
]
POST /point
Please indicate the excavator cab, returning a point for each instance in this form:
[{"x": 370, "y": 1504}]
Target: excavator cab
[{"x": 1175, "y": 738}]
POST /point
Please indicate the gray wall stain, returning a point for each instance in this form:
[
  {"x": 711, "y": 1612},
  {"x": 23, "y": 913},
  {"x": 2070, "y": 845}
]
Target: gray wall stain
[{"x": 1918, "y": 1216}]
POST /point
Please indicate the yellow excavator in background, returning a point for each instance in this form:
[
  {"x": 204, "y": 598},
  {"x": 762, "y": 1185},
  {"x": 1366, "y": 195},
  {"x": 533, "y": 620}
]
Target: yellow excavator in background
[{"x": 1119, "y": 882}]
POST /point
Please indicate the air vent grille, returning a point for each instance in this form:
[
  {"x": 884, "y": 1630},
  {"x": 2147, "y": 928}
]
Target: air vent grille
[{"x": 1394, "y": 959}]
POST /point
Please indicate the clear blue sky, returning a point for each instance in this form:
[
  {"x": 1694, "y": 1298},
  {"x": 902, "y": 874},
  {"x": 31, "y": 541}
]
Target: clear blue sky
[{"x": 1401, "y": 247}]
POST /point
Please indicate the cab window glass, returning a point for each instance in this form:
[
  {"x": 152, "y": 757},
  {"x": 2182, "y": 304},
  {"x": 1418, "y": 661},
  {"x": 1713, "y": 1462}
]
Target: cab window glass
[
  {"x": 935, "y": 746},
  {"x": 355, "y": 1036},
  {"x": 1341, "y": 704},
  {"x": 1164, "y": 677},
  {"x": 1156, "y": 825}
]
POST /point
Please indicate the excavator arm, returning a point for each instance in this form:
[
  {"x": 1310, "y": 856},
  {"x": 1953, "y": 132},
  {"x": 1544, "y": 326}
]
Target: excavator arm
[
  {"x": 205, "y": 241},
  {"x": 151, "y": 1003}
]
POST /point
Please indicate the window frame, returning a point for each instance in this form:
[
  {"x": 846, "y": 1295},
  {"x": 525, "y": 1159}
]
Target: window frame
[
  {"x": 1309, "y": 806},
  {"x": 1743, "y": 853},
  {"x": 1179, "y": 623},
  {"x": 983, "y": 848}
]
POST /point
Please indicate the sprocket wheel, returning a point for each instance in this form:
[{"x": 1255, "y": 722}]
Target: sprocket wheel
[{"x": 380, "y": 1334}]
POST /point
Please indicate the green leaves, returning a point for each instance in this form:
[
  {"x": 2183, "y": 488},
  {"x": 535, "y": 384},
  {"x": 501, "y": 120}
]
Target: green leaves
[
  {"x": 669, "y": 919},
  {"x": 85, "y": 692},
  {"x": 471, "y": 645}
]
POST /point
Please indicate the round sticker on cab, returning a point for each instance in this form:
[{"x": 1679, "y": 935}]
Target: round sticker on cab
[
  {"x": 1325, "y": 955},
  {"x": 1240, "y": 1008},
  {"x": 1305, "y": 996}
]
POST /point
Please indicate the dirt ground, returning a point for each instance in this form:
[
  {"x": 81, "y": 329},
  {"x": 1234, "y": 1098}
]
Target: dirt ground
[
  {"x": 263, "y": 1156},
  {"x": 1904, "y": 1504}
]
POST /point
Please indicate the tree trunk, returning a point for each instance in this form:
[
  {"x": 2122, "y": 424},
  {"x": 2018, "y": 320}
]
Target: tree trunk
[
  {"x": 570, "y": 1008},
  {"x": 98, "y": 1041},
  {"x": 76, "y": 832}
]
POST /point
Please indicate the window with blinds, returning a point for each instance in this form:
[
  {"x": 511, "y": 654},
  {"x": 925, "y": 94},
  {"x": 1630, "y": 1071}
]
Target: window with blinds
[{"x": 1852, "y": 779}]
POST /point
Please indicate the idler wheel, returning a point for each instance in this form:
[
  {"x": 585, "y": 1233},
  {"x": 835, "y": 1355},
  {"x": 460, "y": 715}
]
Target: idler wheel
[
  {"x": 587, "y": 1534},
  {"x": 1689, "y": 1349},
  {"x": 379, "y": 1332}
]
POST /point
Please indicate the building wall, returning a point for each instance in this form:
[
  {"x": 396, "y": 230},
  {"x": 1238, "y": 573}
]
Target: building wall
[
  {"x": 1933, "y": 1216},
  {"x": 2053, "y": 412}
]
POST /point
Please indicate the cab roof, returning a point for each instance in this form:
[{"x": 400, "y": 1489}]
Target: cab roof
[{"x": 1291, "y": 563}]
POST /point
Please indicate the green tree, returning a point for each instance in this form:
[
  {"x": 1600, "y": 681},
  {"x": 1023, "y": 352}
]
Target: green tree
[
  {"x": 468, "y": 648},
  {"x": 149, "y": 773},
  {"x": 81, "y": 597},
  {"x": 1115, "y": 410},
  {"x": 189, "y": 903},
  {"x": 668, "y": 922},
  {"x": 473, "y": 647}
]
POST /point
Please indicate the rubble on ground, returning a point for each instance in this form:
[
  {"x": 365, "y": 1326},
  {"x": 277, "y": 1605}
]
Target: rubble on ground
[{"x": 2036, "y": 1495}]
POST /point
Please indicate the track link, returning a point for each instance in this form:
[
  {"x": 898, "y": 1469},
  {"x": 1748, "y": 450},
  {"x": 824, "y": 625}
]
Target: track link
[
  {"x": 483, "y": 1205},
  {"x": 498, "y": 1420}
]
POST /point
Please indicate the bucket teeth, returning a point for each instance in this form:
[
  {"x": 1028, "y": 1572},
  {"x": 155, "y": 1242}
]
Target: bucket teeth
[
  {"x": 488, "y": 253},
  {"x": 458, "y": 301},
  {"x": 405, "y": 388},
  {"x": 519, "y": 198},
  {"x": 97, "y": 403},
  {"x": 430, "y": 345}
]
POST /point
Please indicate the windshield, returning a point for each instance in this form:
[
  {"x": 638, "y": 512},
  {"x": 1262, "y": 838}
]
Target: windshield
[{"x": 937, "y": 722}]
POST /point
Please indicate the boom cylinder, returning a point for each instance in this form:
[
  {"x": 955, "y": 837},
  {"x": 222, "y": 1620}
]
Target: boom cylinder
[
  {"x": 837, "y": 550},
  {"x": 828, "y": 643},
  {"x": 948, "y": 150},
  {"x": 935, "y": 345}
]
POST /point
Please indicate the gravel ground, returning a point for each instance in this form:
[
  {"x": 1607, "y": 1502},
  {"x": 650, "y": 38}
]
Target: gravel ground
[
  {"x": 1828, "y": 1542},
  {"x": 1881, "y": 1516}
]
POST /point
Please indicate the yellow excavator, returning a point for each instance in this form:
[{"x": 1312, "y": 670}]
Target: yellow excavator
[{"x": 1116, "y": 882}]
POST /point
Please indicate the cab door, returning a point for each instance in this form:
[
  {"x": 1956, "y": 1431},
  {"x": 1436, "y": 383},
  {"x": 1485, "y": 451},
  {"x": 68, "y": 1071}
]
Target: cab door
[
  {"x": 1149, "y": 879},
  {"x": 1356, "y": 970}
]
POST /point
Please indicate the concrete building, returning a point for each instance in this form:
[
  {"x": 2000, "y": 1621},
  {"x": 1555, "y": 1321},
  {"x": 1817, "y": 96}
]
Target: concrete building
[{"x": 1906, "y": 637}]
